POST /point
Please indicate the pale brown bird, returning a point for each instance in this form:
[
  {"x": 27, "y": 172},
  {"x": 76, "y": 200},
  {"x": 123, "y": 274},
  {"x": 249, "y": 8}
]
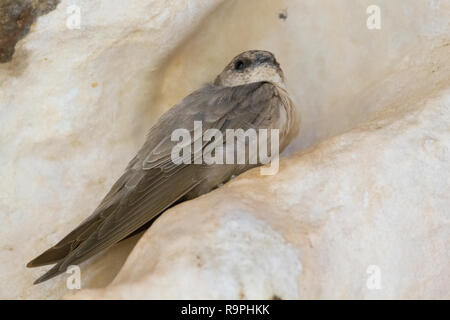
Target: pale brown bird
[{"x": 249, "y": 93}]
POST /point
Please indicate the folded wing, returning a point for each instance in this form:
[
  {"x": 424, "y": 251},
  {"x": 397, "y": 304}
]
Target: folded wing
[{"x": 152, "y": 182}]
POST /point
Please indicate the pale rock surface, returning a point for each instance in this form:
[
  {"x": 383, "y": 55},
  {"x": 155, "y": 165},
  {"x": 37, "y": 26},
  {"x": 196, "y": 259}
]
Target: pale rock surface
[
  {"x": 370, "y": 204},
  {"x": 75, "y": 106}
]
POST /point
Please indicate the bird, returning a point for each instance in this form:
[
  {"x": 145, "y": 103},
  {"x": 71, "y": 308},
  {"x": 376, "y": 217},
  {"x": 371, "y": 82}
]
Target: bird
[{"x": 250, "y": 93}]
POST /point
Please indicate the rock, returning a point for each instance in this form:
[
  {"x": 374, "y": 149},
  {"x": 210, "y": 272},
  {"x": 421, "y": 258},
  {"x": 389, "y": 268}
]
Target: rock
[
  {"x": 75, "y": 105},
  {"x": 361, "y": 216},
  {"x": 16, "y": 18}
]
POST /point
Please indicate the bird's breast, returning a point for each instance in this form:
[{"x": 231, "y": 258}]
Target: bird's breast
[{"x": 288, "y": 120}]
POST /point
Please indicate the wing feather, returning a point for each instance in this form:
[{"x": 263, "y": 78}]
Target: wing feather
[{"x": 152, "y": 182}]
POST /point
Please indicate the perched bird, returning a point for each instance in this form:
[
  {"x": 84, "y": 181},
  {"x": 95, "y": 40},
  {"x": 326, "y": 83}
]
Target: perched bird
[{"x": 249, "y": 93}]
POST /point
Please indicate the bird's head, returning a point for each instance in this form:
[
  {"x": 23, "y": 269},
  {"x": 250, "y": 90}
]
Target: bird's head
[{"x": 251, "y": 66}]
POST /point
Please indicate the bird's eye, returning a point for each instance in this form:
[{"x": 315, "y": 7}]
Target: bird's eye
[{"x": 239, "y": 65}]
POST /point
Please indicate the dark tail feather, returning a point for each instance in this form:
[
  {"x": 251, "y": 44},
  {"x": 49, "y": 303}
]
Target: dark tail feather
[
  {"x": 53, "y": 272},
  {"x": 66, "y": 245},
  {"x": 51, "y": 256}
]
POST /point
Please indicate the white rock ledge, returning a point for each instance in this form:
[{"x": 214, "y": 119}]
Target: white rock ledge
[{"x": 373, "y": 202}]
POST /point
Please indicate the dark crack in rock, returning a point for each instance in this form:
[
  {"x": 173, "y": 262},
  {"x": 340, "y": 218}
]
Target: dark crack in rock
[
  {"x": 283, "y": 15},
  {"x": 16, "y": 17}
]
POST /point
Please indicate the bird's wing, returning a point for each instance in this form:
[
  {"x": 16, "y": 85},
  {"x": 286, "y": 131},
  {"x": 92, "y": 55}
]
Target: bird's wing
[{"x": 152, "y": 182}]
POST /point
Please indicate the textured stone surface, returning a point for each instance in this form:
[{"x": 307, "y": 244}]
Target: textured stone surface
[
  {"x": 75, "y": 106},
  {"x": 375, "y": 198},
  {"x": 16, "y": 17}
]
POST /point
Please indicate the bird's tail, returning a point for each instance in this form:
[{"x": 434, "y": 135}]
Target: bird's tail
[
  {"x": 51, "y": 256},
  {"x": 53, "y": 272}
]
